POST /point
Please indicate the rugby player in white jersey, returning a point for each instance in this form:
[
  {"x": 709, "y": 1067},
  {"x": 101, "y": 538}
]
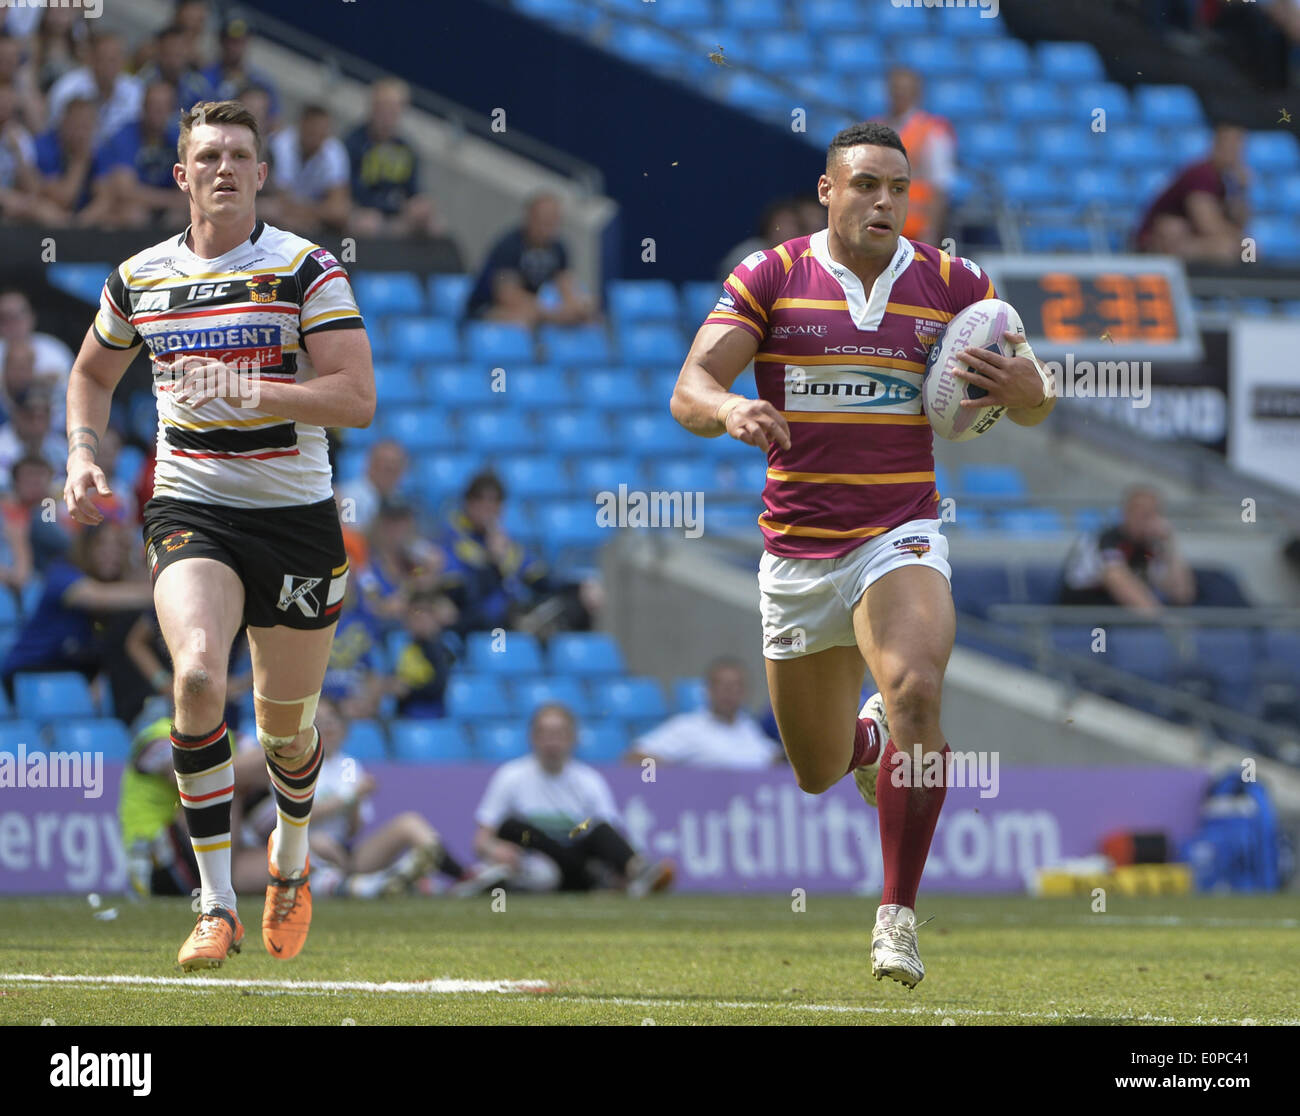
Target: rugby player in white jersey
[
  {"x": 257, "y": 345},
  {"x": 838, "y": 325}
]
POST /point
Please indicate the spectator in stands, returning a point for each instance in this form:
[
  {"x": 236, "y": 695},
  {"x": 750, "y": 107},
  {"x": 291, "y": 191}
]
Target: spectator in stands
[
  {"x": 1202, "y": 214},
  {"x": 386, "y": 469},
  {"x": 192, "y": 16},
  {"x": 355, "y": 675},
  {"x": 65, "y": 631},
  {"x": 401, "y": 562},
  {"x": 231, "y": 74},
  {"x": 385, "y": 170},
  {"x": 28, "y": 432},
  {"x": 780, "y": 222},
  {"x": 33, "y": 508},
  {"x": 105, "y": 83},
  {"x": 72, "y": 189},
  {"x": 19, "y": 77},
  {"x": 171, "y": 64},
  {"x": 721, "y": 735},
  {"x": 553, "y": 822},
  {"x": 425, "y": 663},
  {"x": 311, "y": 173},
  {"x": 524, "y": 261},
  {"x": 15, "y": 535},
  {"x": 18, "y": 177},
  {"x": 1134, "y": 564},
  {"x": 59, "y": 47},
  {"x": 140, "y": 159},
  {"x": 51, "y": 359},
  {"x": 931, "y": 152},
  {"x": 494, "y": 582}
]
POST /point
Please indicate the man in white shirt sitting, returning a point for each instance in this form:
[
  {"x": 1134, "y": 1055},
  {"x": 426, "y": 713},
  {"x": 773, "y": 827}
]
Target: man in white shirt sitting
[
  {"x": 721, "y": 735},
  {"x": 552, "y": 820}
]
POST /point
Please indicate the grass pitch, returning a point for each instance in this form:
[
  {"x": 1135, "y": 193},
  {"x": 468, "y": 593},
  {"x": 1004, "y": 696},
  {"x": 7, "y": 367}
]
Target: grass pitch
[{"x": 669, "y": 960}]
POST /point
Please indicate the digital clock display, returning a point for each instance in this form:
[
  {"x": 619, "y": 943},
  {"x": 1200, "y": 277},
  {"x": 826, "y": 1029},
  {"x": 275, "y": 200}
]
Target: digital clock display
[{"x": 1119, "y": 307}]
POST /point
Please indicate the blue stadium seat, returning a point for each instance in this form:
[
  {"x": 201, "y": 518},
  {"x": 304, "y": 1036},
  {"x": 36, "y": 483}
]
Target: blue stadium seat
[
  {"x": 1042, "y": 584},
  {"x": 685, "y": 14},
  {"x": 975, "y": 587},
  {"x": 932, "y": 56},
  {"x": 454, "y": 386},
  {"x": 851, "y": 54},
  {"x": 1056, "y": 143},
  {"x": 1076, "y": 639},
  {"x": 533, "y": 476},
  {"x": 585, "y": 653},
  {"x": 10, "y": 613},
  {"x": 569, "y": 346},
  {"x": 749, "y": 92},
  {"x": 943, "y": 480},
  {"x": 444, "y": 472},
  {"x": 1286, "y": 195},
  {"x": 753, "y": 15},
  {"x": 781, "y": 51},
  {"x": 982, "y": 479},
  {"x": 642, "y": 300},
  {"x": 514, "y": 653},
  {"x": 499, "y": 741},
  {"x": 992, "y": 142},
  {"x": 428, "y": 741},
  {"x": 1149, "y": 183},
  {"x": 570, "y": 533},
  {"x": 681, "y": 474},
  {"x": 1277, "y": 238},
  {"x": 629, "y": 698},
  {"x": 1187, "y": 145},
  {"x": 448, "y": 295},
  {"x": 476, "y": 696},
  {"x": 423, "y": 339},
  {"x": 1144, "y": 652},
  {"x": 498, "y": 343},
  {"x": 397, "y": 385},
  {"x": 646, "y": 46},
  {"x": 1031, "y": 521},
  {"x": 20, "y": 731},
  {"x": 616, "y": 389},
  {"x": 53, "y": 695},
  {"x": 1073, "y": 62},
  {"x": 1029, "y": 101},
  {"x": 81, "y": 280},
  {"x": 366, "y": 740},
  {"x": 1001, "y": 57},
  {"x": 959, "y": 100},
  {"x": 92, "y": 734},
  {"x": 492, "y": 430},
  {"x": 645, "y": 345},
  {"x": 388, "y": 292},
  {"x": 1162, "y": 106},
  {"x": 602, "y": 741},
  {"x": 1083, "y": 100},
  {"x": 417, "y": 428},
  {"x": 1133, "y": 146},
  {"x": 573, "y": 431},
  {"x": 1109, "y": 188},
  {"x": 699, "y": 296},
  {"x": 1282, "y": 650},
  {"x": 971, "y": 22},
  {"x": 834, "y": 15},
  {"x": 529, "y": 693},
  {"x": 689, "y": 694},
  {"x": 605, "y": 472},
  {"x": 826, "y": 87},
  {"x": 887, "y": 19},
  {"x": 1057, "y": 237},
  {"x": 1228, "y": 655},
  {"x": 651, "y": 433},
  {"x": 1272, "y": 151},
  {"x": 1030, "y": 184}
]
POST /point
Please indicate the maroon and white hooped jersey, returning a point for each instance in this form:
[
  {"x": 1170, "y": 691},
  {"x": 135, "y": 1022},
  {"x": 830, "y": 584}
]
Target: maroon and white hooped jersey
[
  {"x": 844, "y": 365},
  {"x": 250, "y": 308}
]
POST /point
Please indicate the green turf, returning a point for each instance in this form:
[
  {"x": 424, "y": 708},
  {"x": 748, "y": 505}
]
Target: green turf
[{"x": 680, "y": 959}]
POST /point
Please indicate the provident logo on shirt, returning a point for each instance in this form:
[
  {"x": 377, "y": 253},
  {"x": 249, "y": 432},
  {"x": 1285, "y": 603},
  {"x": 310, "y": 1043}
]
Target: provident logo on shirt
[
  {"x": 250, "y": 346},
  {"x": 852, "y": 388}
]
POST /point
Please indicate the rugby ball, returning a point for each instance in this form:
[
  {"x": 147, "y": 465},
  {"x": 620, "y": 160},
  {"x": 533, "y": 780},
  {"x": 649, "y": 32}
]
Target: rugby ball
[{"x": 978, "y": 326}]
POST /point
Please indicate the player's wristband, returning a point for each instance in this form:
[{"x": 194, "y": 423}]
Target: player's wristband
[
  {"x": 1023, "y": 350},
  {"x": 726, "y": 407}
]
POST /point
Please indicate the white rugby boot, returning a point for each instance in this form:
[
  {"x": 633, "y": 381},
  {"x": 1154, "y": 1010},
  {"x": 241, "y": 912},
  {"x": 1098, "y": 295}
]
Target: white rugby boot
[
  {"x": 893, "y": 946},
  {"x": 865, "y": 776}
]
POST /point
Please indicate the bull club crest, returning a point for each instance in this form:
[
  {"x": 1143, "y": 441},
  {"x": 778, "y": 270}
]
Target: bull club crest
[
  {"x": 261, "y": 288},
  {"x": 916, "y": 545}
]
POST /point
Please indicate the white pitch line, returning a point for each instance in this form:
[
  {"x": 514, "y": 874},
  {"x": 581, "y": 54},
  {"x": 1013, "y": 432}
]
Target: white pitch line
[{"x": 437, "y": 987}]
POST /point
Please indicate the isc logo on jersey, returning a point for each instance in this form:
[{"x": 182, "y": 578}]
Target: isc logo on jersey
[{"x": 852, "y": 388}]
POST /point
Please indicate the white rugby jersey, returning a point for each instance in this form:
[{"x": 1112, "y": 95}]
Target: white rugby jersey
[{"x": 251, "y": 307}]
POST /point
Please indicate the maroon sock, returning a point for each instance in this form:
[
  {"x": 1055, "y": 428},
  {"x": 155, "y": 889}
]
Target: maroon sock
[
  {"x": 866, "y": 743},
  {"x": 908, "y": 815}
]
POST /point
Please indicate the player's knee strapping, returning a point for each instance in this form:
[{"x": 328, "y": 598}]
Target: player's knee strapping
[{"x": 280, "y": 722}]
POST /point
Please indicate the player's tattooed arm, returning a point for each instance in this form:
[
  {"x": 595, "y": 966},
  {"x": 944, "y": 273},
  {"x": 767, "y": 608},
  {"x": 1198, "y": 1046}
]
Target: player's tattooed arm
[{"x": 84, "y": 437}]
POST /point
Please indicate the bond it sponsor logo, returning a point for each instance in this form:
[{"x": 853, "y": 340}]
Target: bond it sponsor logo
[{"x": 849, "y": 389}]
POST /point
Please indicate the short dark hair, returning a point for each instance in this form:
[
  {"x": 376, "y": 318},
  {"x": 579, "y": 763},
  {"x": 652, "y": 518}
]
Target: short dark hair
[
  {"x": 553, "y": 707},
  {"x": 28, "y": 461},
  {"x": 215, "y": 112},
  {"x": 725, "y": 662},
  {"x": 484, "y": 484},
  {"x": 869, "y": 132}
]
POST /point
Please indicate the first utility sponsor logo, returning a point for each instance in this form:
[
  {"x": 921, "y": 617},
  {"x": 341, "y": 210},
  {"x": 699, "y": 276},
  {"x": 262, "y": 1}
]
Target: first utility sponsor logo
[
  {"x": 39, "y": 770},
  {"x": 87, "y": 1069}
]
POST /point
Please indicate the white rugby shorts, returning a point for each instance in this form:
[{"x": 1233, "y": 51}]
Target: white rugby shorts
[{"x": 807, "y": 603}]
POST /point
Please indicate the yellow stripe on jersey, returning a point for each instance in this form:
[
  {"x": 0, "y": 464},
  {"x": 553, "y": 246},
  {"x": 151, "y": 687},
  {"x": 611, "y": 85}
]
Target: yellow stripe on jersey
[
  {"x": 810, "y": 304},
  {"x": 180, "y": 281},
  {"x": 307, "y": 323},
  {"x": 785, "y": 257},
  {"x": 850, "y": 478},
  {"x": 945, "y": 265},
  {"x": 832, "y": 416},
  {"x": 819, "y": 532},
  {"x": 338, "y": 570},
  {"x": 749, "y": 298},
  {"x": 919, "y": 311},
  {"x": 856, "y": 359},
  {"x": 990, "y": 293},
  {"x": 114, "y": 330},
  {"x": 265, "y": 420},
  {"x": 730, "y": 316}
]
